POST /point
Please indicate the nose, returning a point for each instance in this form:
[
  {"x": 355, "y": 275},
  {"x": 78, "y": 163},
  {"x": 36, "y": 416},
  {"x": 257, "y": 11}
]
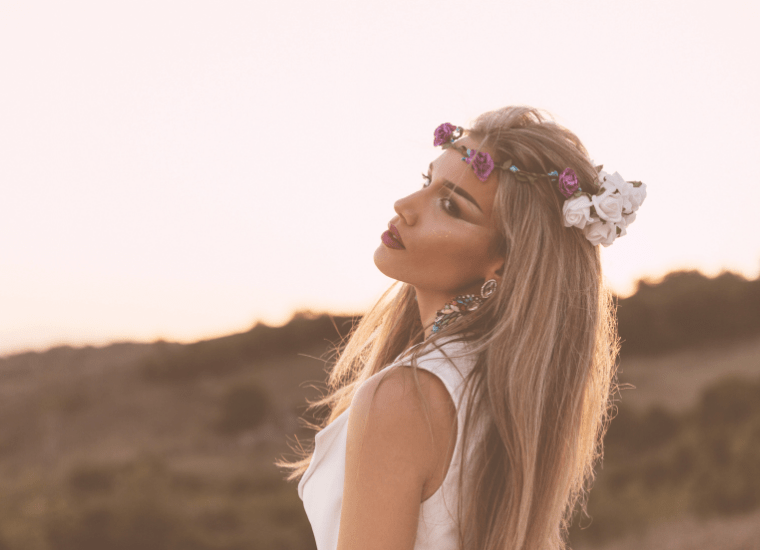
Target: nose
[{"x": 405, "y": 208}]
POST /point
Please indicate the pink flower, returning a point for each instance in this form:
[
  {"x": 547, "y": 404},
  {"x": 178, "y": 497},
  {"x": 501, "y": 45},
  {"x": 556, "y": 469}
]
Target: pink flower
[
  {"x": 443, "y": 133},
  {"x": 482, "y": 164},
  {"x": 568, "y": 182}
]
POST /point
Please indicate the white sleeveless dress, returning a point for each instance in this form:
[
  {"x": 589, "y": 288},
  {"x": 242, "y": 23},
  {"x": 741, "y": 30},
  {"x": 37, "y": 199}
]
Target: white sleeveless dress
[{"x": 321, "y": 487}]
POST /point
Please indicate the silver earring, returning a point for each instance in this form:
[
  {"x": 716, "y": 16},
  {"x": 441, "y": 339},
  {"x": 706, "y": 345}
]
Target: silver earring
[{"x": 488, "y": 288}]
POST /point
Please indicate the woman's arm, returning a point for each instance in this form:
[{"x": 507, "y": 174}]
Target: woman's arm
[{"x": 386, "y": 471}]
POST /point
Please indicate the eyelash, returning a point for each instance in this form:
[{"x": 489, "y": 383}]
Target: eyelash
[{"x": 453, "y": 209}]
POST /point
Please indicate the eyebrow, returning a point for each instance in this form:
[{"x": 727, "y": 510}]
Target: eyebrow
[{"x": 459, "y": 191}]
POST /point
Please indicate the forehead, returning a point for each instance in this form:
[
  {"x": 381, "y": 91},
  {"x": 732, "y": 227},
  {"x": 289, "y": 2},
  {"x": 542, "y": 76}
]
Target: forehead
[{"x": 450, "y": 166}]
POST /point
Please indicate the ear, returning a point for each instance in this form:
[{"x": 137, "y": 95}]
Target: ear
[{"x": 495, "y": 270}]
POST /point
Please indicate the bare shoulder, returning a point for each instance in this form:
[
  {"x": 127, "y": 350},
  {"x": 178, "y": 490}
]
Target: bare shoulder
[
  {"x": 390, "y": 457},
  {"x": 398, "y": 381},
  {"x": 389, "y": 410},
  {"x": 391, "y": 398}
]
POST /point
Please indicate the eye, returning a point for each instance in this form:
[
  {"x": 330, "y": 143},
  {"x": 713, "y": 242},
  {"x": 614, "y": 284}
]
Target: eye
[{"x": 450, "y": 207}]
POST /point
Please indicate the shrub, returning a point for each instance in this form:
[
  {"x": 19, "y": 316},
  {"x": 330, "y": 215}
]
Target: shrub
[
  {"x": 631, "y": 434},
  {"x": 261, "y": 484},
  {"x": 221, "y": 356},
  {"x": 728, "y": 403},
  {"x": 223, "y": 520},
  {"x": 243, "y": 408},
  {"x": 688, "y": 309},
  {"x": 91, "y": 479},
  {"x": 705, "y": 461}
]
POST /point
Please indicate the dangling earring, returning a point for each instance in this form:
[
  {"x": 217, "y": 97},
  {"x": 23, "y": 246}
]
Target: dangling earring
[
  {"x": 461, "y": 305},
  {"x": 488, "y": 288}
]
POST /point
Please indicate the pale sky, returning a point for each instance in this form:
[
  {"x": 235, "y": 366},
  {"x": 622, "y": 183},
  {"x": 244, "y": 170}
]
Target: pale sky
[{"x": 180, "y": 170}]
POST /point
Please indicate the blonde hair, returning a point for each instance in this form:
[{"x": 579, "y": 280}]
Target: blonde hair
[{"x": 546, "y": 346}]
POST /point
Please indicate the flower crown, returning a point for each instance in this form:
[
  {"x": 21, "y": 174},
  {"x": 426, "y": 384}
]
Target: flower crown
[{"x": 603, "y": 216}]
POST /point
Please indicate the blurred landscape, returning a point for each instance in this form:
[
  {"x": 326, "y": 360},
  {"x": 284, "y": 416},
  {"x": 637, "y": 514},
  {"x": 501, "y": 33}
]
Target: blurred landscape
[{"x": 170, "y": 446}]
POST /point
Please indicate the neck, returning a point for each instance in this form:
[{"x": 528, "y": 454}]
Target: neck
[{"x": 429, "y": 303}]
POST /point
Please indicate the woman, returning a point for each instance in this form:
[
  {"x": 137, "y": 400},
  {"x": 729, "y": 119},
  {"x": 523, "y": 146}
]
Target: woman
[{"x": 468, "y": 406}]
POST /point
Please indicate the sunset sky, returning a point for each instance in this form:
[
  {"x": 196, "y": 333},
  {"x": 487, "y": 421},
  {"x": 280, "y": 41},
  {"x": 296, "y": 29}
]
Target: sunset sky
[{"x": 180, "y": 170}]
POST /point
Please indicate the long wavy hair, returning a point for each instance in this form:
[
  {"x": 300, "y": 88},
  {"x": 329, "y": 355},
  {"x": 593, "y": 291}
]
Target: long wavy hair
[{"x": 546, "y": 349}]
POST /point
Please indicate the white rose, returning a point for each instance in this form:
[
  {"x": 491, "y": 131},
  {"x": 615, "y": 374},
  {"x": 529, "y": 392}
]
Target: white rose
[
  {"x": 577, "y": 211},
  {"x": 626, "y": 221},
  {"x": 599, "y": 232},
  {"x": 616, "y": 180},
  {"x": 609, "y": 205},
  {"x": 624, "y": 188},
  {"x": 638, "y": 194}
]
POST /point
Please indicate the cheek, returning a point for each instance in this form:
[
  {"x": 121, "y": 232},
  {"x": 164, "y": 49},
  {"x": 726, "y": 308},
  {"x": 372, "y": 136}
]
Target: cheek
[{"x": 456, "y": 252}]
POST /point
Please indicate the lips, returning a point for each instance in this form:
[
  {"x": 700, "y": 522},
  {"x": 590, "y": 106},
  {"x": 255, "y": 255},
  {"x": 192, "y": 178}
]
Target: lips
[
  {"x": 392, "y": 229},
  {"x": 392, "y": 239}
]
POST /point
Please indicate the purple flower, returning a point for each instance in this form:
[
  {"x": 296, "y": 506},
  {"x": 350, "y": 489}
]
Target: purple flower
[
  {"x": 568, "y": 182},
  {"x": 443, "y": 133},
  {"x": 482, "y": 165}
]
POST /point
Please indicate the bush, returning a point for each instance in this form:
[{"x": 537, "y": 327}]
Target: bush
[
  {"x": 138, "y": 511},
  {"x": 730, "y": 402},
  {"x": 147, "y": 527},
  {"x": 222, "y": 356},
  {"x": 632, "y": 434},
  {"x": 263, "y": 483},
  {"x": 91, "y": 479},
  {"x": 705, "y": 461},
  {"x": 190, "y": 362},
  {"x": 687, "y": 309},
  {"x": 243, "y": 408}
]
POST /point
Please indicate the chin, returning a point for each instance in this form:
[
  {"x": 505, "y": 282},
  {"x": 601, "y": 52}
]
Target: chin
[
  {"x": 385, "y": 263},
  {"x": 381, "y": 259}
]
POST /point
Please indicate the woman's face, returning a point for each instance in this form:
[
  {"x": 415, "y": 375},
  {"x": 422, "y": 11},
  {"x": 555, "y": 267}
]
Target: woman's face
[{"x": 445, "y": 229}]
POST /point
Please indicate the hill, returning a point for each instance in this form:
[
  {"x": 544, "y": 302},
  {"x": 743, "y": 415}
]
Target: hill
[{"x": 171, "y": 446}]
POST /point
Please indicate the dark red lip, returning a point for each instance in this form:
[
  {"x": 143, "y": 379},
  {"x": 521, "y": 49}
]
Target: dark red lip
[
  {"x": 393, "y": 230},
  {"x": 390, "y": 241}
]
